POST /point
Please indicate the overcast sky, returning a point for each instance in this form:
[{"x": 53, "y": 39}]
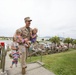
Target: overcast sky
[{"x": 51, "y": 17}]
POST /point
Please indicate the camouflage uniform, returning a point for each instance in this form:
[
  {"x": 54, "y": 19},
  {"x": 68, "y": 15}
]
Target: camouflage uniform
[{"x": 25, "y": 33}]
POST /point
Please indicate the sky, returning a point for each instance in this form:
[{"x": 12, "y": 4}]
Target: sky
[{"x": 51, "y": 17}]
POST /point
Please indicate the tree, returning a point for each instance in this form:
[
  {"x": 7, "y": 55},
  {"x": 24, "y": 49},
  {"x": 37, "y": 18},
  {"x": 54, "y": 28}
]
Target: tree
[
  {"x": 74, "y": 41},
  {"x": 68, "y": 41},
  {"x": 42, "y": 39},
  {"x": 55, "y": 40}
]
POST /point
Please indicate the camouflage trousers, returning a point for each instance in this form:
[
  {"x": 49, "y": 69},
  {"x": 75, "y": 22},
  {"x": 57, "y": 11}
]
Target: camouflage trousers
[{"x": 22, "y": 51}]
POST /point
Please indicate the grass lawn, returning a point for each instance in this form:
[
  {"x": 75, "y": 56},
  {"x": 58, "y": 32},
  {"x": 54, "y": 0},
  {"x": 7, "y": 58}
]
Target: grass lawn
[{"x": 60, "y": 63}]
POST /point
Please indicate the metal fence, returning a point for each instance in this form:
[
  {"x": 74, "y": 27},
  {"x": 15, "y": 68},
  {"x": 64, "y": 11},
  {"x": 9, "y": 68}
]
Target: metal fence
[
  {"x": 33, "y": 52},
  {"x": 3, "y": 55}
]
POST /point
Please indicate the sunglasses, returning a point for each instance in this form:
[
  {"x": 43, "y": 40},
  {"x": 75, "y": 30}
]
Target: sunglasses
[{"x": 28, "y": 21}]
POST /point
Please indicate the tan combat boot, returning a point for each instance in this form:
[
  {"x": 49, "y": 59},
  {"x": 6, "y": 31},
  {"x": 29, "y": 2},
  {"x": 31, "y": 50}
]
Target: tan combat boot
[{"x": 23, "y": 71}]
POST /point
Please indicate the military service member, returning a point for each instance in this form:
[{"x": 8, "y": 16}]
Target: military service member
[{"x": 25, "y": 33}]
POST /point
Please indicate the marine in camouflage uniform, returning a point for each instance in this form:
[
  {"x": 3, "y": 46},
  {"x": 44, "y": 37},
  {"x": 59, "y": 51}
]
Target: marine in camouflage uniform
[{"x": 25, "y": 33}]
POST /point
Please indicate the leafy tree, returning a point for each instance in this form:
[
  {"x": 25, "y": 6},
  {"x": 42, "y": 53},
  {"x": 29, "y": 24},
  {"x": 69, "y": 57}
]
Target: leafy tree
[
  {"x": 43, "y": 39},
  {"x": 68, "y": 41},
  {"x": 55, "y": 40},
  {"x": 74, "y": 42}
]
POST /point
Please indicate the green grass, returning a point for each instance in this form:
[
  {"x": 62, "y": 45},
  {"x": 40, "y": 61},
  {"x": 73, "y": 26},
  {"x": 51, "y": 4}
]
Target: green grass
[{"x": 60, "y": 63}]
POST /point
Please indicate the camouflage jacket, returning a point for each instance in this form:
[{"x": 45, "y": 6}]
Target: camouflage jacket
[{"x": 25, "y": 32}]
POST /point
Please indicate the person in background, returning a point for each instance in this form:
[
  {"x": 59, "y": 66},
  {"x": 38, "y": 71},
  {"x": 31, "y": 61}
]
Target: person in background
[
  {"x": 34, "y": 35},
  {"x": 15, "y": 52}
]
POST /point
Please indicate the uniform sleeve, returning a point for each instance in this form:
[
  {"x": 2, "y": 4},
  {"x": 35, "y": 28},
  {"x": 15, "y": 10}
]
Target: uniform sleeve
[{"x": 30, "y": 29}]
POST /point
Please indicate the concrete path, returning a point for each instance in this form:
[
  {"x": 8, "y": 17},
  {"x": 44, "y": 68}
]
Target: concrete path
[{"x": 32, "y": 69}]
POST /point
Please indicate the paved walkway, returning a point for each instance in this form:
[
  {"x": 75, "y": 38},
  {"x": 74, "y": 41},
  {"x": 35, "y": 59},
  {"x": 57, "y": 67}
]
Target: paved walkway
[{"x": 32, "y": 69}]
